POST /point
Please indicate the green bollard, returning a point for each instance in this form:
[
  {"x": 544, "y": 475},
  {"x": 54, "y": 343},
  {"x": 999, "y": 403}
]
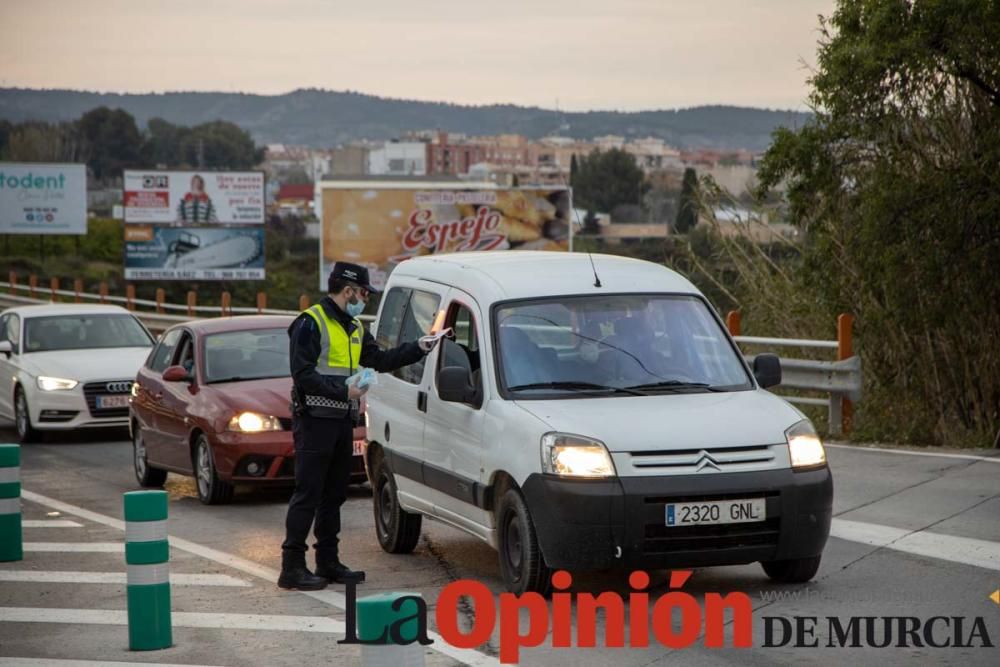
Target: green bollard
[
  {"x": 11, "y": 537},
  {"x": 146, "y": 556},
  {"x": 375, "y": 617}
]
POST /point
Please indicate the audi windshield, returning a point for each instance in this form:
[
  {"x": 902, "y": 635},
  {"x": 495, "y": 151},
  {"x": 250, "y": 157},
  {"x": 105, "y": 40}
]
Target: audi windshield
[
  {"x": 624, "y": 345},
  {"x": 82, "y": 332}
]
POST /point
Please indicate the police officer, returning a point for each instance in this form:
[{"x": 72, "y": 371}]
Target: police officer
[{"x": 327, "y": 345}]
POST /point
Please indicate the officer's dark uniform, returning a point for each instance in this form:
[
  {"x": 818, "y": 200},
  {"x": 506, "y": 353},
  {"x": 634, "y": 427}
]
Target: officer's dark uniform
[{"x": 323, "y": 422}]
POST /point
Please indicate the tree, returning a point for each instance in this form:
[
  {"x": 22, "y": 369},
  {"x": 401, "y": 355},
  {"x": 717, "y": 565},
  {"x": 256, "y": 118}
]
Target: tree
[
  {"x": 687, "y": 205},
  {"x": 896, "y": 181},
  {"x": 110, "y": 141},
  {"x": 591, "y": 226},
  {"x": 219, "y": 145},
  {"x": 42, "y": 142},
  {"x": 606, "y": 179},
  {"x": 162, "y": 145}
]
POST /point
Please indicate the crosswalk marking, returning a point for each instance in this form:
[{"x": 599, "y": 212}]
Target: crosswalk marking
[
  {"x": 966, "y": 550},
  {"x": 61, "y": 577},
  {"x": 50, "y": 523},
  {"x": 469, "y": 657},
  {"x": 76, "y": 547},
  {"x": 179, "y": 619}
]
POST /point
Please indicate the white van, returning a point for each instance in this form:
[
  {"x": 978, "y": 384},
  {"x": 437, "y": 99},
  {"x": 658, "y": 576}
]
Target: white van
[{"x": 592, "y": 412}]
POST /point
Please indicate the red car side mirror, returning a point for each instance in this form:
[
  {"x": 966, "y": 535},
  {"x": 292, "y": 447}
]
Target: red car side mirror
[{"x": 176, "y": 374}]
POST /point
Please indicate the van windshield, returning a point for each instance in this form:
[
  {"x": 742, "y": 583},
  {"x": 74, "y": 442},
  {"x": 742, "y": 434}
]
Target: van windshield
[{"x": 616, "y": 345}]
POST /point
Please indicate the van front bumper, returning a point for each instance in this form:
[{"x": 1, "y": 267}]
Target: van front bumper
[{"x": 602, "y": 524}]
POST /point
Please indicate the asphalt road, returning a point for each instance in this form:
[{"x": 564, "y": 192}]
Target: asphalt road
[{"x": 915, "y": 535}]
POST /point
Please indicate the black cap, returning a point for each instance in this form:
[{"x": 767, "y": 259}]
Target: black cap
[{"x": 354, "y": 273}]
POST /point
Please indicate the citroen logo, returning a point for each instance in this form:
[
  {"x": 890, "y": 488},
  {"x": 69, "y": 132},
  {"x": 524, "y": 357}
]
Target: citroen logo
[
  {"x": 122, "y": 387},
  {"x": 706, "y": 461}
]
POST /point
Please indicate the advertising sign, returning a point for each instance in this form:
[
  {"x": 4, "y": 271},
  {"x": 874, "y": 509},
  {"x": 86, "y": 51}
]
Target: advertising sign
[
  {"x": 194, "y": 253},
  {"x": 381, "y": 227},
  {"x": 194, "y": 197},
  {"x": 43, "y": 198}
]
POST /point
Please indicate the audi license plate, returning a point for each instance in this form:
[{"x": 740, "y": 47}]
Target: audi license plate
[
  {"x": 716, "y": 511},
  {"x": 105, "y": 402}
]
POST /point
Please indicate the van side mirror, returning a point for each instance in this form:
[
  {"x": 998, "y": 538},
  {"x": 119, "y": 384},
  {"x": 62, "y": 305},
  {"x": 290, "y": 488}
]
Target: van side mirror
[
  {"x": 455, "y": 385},
  {"x": 767, "y": 370},
  {"x": 176, "y": 374},
  {"x": 6, "y": 348}
]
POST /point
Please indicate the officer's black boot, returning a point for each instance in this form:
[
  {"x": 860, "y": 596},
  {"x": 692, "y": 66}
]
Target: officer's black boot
[
  {"x": 333, "y": 570},
  {"x": 295, "y": 575}
]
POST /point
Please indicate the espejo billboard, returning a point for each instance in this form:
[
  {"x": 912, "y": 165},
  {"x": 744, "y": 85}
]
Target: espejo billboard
[
  {"x": 194, "y": 197},
  {"x": 380, "y": 225},
  {"x": 43, "y": 198}
]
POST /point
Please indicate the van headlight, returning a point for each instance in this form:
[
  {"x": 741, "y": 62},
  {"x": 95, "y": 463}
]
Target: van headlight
[
  {"x": 54, "y": 384},
  {"x": 804, "y": 446},
  {"x": 252, "y": 422},
  {"x": 575, "y": 456}
]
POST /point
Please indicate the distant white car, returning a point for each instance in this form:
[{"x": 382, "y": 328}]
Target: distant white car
[{"x": 64, "y": 367}]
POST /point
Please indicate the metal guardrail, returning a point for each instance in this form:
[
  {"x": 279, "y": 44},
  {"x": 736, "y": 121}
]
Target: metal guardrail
[
  {"x": 154, "y": 321},
  {"x": 842, "y": 379}
]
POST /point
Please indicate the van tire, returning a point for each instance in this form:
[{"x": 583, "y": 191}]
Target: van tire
[
  {"x": 521, "y": 562},
  {"x": 397, "y": 530},
  {"x": 792, "y": 571}
]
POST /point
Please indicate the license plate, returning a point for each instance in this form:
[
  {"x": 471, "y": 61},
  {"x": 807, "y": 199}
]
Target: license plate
[
  {"x": 104, "y": 402},
  {"x": 715, "y": 512},
  {"x": 359, "y": 447}
]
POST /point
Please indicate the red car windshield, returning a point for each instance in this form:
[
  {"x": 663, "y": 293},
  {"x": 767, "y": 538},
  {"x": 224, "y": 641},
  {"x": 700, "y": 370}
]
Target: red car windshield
[{"x": 246, "y": 355}]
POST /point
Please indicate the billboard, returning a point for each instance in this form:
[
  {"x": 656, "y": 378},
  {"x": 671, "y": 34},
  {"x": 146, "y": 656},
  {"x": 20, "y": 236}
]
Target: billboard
[
  {"x": 43, "y": 198},
  {"x": 194, "y": 253},
  {"x": 379, "y": 227},
  {"x": 194, "y": 197}
]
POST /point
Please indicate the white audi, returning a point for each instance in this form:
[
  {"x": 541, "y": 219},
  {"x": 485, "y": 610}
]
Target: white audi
[{"x": 64, "y": 367}]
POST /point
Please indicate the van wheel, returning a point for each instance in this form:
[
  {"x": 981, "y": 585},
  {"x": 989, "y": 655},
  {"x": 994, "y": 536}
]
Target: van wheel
[
  {"x": 398, "y": 531},
  {"x": 146, "y": 476},
  {"x": 521, "y": 561},
  {"x": 792, "y": 571},
  {"x": 211, "y": 489}
]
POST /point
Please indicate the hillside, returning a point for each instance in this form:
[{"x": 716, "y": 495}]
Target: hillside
[{"x": 325, "y": 118}]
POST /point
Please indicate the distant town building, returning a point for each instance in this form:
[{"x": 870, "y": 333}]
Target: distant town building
[{"x": 398, "y": 158}]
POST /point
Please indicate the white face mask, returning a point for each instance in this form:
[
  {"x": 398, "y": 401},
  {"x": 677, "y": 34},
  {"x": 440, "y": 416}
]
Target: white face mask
[{"x": 589, "y": 351}]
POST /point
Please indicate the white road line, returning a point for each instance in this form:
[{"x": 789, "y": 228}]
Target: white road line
[
  {"x": 50, "y": 523},
  {"x": 469, "y": 657},
  {"x": 909, "y": 452},
  {"x": 178, "y": 619},
  {"x": 965, "y": 550},
  {"x": 77, "y": 547},
  {"x": 46, "y": 662},
  {"x": 177, "y": 579}
]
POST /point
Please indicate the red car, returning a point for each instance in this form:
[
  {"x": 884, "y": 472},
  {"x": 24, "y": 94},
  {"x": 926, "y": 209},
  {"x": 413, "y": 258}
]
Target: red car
[{"x": 212, "y": 402}]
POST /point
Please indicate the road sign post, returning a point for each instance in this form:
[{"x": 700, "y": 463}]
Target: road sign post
[
  {"x": 146, "y": 557},
  {"x": 11, "y": 537}
]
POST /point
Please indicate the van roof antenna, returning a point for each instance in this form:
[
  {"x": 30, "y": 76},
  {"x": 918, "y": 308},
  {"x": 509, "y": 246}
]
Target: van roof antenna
[{"x": 597, "y": 281}]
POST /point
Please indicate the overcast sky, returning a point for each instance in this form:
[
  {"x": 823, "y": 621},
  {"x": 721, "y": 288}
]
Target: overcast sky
[{"x": 581, "y": 54}]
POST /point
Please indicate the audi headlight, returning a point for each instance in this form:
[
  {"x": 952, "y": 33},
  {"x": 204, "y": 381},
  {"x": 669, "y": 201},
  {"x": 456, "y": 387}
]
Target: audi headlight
[
  {"x": 804, "y": 445},
  {"x": 252, "y": 422},
  {"x": 55, "y": 384},
  {"x": 575, "y": 456}
]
